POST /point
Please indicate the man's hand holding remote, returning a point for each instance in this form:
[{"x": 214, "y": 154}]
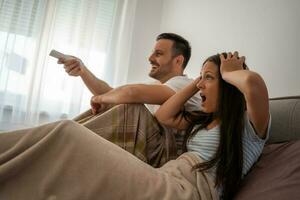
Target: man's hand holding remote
[{"x": 72, "y": 65}]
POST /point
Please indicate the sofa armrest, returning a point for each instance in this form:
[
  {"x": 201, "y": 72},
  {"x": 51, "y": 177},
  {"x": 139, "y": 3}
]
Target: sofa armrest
[{"x": 285, "y": 113}]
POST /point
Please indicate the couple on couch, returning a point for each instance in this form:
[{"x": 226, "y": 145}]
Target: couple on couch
[{"x": 221, "y": 138}]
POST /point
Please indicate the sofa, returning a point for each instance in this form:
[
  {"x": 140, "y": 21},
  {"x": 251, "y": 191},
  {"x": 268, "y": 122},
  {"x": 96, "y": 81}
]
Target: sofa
[{"x": 276, "y": 175}]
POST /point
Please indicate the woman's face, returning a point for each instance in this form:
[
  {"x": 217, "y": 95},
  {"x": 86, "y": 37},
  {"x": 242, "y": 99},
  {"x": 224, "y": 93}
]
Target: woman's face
[{"x": 209, "y": 87}]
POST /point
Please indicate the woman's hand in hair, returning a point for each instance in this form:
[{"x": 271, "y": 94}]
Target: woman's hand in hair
[
  {"x": 252, "y": 86},
  {"x": 231, "y": 62}
]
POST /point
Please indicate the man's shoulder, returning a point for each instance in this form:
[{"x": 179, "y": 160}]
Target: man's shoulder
[
  {"x": 176, "y": 83},
  {"x": 184, "y": 78}
]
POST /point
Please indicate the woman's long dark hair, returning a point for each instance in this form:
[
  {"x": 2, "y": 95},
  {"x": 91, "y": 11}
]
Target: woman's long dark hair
[{"x": 229, "y": 156}]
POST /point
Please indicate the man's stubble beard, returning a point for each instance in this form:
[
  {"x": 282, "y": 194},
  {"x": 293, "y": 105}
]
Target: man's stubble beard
[{"x": 161, "y": 71}]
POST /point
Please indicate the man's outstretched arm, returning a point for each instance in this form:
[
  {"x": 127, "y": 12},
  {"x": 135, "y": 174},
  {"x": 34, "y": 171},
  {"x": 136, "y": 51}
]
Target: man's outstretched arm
[{"x": 75, "y": 67}]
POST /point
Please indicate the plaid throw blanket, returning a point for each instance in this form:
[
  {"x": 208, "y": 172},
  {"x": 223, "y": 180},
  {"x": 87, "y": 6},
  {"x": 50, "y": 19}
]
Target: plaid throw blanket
[
  {"x": 66, "y": 161},
  {"x": 133, "y": 128}
]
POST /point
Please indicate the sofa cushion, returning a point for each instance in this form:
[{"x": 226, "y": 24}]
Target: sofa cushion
[
  {"x": 276, "y": 175},
  {"x": 285, "y": 113}
]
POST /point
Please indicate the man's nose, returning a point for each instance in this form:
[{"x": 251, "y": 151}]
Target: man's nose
[{"x": 150, "y": 57}]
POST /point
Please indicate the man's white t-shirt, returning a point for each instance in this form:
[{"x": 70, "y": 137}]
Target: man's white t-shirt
[{"x": 177, "y": 83}]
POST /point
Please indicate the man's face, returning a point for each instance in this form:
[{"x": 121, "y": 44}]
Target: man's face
[{"x": 161, "y": 59}]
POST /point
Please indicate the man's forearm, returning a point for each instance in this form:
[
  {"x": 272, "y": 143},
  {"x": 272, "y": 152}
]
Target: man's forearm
[
  {"x": 95, "y": 85},
  {"x": 119, "y": 95},
  {"x": 139, "y": 93}
]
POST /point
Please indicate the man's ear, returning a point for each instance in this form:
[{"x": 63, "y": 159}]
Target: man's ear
[{"x": 179, "y": 60}]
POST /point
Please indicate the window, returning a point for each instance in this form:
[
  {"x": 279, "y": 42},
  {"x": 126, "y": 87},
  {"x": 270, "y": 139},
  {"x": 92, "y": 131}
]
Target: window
[{"x": 33, "y": 87}]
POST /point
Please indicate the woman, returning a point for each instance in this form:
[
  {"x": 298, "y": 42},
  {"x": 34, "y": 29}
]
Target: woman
[
  {"x": 234, "y": 123},
  {"x": 64, "y": 160}
]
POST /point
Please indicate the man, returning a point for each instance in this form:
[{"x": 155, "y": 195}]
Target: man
[
  {"x": 61, "y": 160},
  {"x": 130, "y": 125}
]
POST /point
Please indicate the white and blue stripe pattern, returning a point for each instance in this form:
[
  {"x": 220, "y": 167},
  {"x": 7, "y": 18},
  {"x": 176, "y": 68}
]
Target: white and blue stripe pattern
[{"x": 205, "y": 144}]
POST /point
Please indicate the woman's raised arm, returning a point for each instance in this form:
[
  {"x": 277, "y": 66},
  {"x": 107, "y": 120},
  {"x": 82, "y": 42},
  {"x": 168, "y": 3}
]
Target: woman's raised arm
[
  {"x": 170, "y": 112},
  {"x": 253, "y": 88}
]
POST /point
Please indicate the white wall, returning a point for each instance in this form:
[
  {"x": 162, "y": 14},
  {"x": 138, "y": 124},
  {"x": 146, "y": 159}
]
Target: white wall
[
  {"x": 267, "y": 32},
  {"x": 146, "y": 28}
]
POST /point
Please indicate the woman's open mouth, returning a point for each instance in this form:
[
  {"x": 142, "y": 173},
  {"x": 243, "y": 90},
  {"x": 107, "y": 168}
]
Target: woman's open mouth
[{"x": 203, "y": 98}]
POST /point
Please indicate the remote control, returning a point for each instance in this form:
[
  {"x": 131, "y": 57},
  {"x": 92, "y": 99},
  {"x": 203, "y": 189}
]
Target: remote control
[{"x": 57, "y": 54}]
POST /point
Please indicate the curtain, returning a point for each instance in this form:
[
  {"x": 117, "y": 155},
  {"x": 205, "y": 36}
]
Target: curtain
[{"x": 34, "y": 89}]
